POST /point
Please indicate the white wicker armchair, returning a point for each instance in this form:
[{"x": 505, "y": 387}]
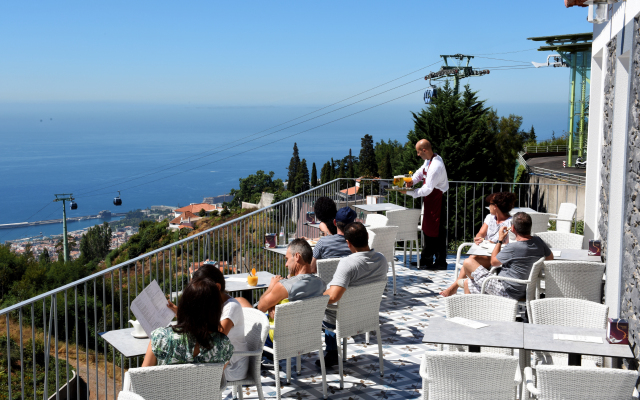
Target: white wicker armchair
[
  {"x": 465, "y": 376},
  {"x": 565, "y": 216},
  {"x": 458, "y": 255},
  {"x": 578, "y": 383},
  {"x": 533, "y": 284},
  {"x": 375, "y": 220},
  {"x": 567, "y": 312},
  {"x": 326, "y": 268},
  {"x": 256, "y": 328},
  {"x": 539, "y": 222},
  {"x": 180, "y": 381},
  {"x": 297, "y": 330},
  {"x": 574, "y": 279},
  {"x": 560, "y": 240},
  {"x": 480, "y": 307},
  {"x": 383, "y": 240},
  {"x": 357, "y": 312},
  {"x": 406, "y": 220}
]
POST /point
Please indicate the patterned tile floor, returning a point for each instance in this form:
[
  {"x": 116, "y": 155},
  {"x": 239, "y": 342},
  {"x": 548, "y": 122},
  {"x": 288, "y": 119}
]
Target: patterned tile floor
[{"x": 402, "y": 317}]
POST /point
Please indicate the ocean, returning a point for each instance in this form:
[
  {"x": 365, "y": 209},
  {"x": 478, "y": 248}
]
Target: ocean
[{"x": 175, "y": 154}]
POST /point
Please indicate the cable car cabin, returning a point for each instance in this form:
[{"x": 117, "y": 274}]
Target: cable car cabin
[
  {"x": 117, "y": 201},
  {"x": 73, "y": 205},
  {"x": 430, "y": 94}
]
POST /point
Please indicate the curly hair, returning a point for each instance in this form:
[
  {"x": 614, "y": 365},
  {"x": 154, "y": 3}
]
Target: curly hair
[
  {"x": 326, "y": 211},
  {"x": 503, "y": 200}
]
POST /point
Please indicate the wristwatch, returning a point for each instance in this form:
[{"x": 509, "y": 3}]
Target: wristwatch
[{"x": 500, "y": 241}]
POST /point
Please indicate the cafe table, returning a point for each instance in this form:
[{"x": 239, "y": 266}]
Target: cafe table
[{"x": 379, "y": 207}]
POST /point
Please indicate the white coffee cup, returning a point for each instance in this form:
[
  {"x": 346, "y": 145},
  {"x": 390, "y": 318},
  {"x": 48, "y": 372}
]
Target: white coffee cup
[{"x": 137, "y": 329}]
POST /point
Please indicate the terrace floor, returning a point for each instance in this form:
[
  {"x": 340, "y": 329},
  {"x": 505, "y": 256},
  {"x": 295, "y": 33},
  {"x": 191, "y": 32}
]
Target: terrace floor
[{"x": 402, "y": 317}]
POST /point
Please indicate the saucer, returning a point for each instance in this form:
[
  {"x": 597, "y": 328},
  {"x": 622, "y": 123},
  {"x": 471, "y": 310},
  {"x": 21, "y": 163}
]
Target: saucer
[{"x": 141, "y": 336}]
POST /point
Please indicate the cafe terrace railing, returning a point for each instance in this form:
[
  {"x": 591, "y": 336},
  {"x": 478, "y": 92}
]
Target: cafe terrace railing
[{"x": 63, "y": 326}]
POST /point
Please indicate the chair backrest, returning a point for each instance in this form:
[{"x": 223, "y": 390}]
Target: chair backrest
[
  {"x": 566, "y": 211},
  {"x": 458, "y": 375},
  {"x": 326, "y": 268},
  {"x": 560, "y": 382},
  {"x": 574, "y": 279},
  {"x": 298, "y": 326},
  {"x": 561, "y": 240},
  {"x": 180, "y": 381},
  {"x": 374, "y": 220},
  {"x": 533, "y": 288},
  {"x": 256, "y": 328},
  {"x": 481, "y": 307},
  {"x": 383, "y": 240},
  {"x": 569, "y": 312},
  {"x": 359, "y": 309},
  {"x": 406, "y": 221},
  {"x": 539, "y": 222}
]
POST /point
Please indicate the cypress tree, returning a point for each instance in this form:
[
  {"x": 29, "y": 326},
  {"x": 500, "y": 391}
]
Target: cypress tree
[
  {"x": 368, "y": 165},
  {"x": 332, "y": 170},
  {"x": 351, "y": 173},
  {"x": 302, "y": 178},
  {"x": 294, "y": 165},
  {"x": 314, "y": 176}
]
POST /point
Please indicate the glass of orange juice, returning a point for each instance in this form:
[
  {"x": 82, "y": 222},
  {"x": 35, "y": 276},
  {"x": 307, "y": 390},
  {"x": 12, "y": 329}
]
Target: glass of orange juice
[
  {"x": 252, "y": 279},
  {"x": 407, "y": 179}
]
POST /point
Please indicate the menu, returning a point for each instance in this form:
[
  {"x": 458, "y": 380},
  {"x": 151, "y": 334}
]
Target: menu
[{"x": 150, "y": 308}]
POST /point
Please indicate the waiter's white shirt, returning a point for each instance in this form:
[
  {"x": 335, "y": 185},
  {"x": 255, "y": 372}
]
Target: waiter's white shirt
[{"x": 436, "y": 177}]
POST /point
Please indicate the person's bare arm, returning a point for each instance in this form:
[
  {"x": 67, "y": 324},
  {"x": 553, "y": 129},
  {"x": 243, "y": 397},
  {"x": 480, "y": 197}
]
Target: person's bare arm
[
  {"x": 225, "y": 326},
  {"x": 150, "y": 359},
  {"x": 271, "y": 298},
  {"x": 482, "y": 233},
  {"x": 335, "y": 293},
  {"x": 549, "y": 257}
]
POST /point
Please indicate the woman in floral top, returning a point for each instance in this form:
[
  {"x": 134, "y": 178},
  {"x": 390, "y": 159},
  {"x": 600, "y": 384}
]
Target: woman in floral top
[{"x": 196, "y": 337}]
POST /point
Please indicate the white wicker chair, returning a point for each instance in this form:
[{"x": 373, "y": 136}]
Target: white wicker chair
[
  {"x": 458, "y": 255},
  {"x": 297, "y": 330},
  {"x": 383, "y": 240},
  {"x": 256, "y": 328},
  {"x": 480, "y": 307},
  {"x": 326, "y": 268},
  {"x": 539, "y": 222},
  {"x": 560, "y": 240},
  {"x": 180, "y": 381},
  {"x": 125, "y": 395},
  {"x": 465, "y": 376},
  {"x": 405, "y": 220},
  {"x": 357, "y": 312},
  {"x": 567, "y": 312},
  {"x": 565, "y": 216},
  {"x": 574, "y": 279},
  {"x": 578, "y": 383},
  {"x": 375, "y": 220},
  {"x": 533, "y": 284}
]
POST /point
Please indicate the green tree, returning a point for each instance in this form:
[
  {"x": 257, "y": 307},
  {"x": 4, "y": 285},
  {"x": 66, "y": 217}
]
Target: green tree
[
  {"x": 314, "y": 176},
  {"x": 252, "y": 186},
  {"x": 351, "y": 170},
  {"x": 294, "y": 165},
  {"x": 302, "y": 178},
  {"x": 509, "y": 140},
  {"x": 202, "y": 213},
  {"x": 368, "y": 164},
  {"x": 95, "y": 244}
]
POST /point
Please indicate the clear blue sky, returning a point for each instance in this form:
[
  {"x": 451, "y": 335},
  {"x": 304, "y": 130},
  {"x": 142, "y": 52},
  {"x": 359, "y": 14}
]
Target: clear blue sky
[{"x": 268, "y": 53}]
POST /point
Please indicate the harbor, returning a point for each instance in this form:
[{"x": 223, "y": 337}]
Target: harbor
[{"x": 101, "y": 215}]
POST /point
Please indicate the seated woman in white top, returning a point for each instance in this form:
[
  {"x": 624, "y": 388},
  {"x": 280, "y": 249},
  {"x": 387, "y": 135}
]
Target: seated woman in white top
[
  {"x": 500, "y": 204},
  {"x": 231, "y": 321}
]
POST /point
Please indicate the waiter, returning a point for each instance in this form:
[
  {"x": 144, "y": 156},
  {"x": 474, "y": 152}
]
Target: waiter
[{"x": 433, "y": 176}]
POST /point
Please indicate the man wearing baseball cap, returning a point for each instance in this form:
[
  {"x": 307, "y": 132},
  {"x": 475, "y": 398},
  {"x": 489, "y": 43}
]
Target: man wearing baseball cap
[{"x": 334, "y": 246}]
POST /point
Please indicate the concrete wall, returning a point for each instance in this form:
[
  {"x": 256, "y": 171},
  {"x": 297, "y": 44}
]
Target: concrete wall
[{"x": 551, "y": 194}]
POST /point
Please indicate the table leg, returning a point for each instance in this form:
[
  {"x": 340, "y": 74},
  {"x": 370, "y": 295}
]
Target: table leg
[
  {"x": 474, "y": 349},
  {"x": 524, "y": 359},
  {"x": 575, "y": 359}
]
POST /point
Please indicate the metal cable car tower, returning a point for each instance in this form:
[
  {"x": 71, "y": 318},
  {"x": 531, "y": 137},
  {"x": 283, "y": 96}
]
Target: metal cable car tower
[
  {"x": 65, "y": 197},
  {"x": 456, "y": 72}
]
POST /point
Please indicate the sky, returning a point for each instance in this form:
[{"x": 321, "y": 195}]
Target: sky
[{"x": 269, "y": 53}]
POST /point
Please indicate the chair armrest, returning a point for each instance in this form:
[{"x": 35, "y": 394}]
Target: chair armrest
[
  {"x": 423, "y": 371},
  {"x": 518, "y": 378},
  {"x": 247, "y": 353},
  {"x": 528, "y": 375},
  {"x": 551, "y": 214},
  {"x": 272, "y": 327},
  {"x": 333, "y": 307},
  {"x": 268, "y": 349},
  {"x": 493, "y": 269},
  {"x": 463, "y": 245},
  {"x": 502, "y": 278}
]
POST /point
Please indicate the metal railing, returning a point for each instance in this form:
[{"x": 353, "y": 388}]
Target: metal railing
[
  {"x": 546, "y": 149},
  {"x": 65, "y": 323},
  {"x": 549, "y": 173}
]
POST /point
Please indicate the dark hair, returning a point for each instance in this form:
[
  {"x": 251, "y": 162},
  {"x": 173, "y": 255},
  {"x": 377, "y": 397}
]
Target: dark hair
[
  {"x": 341, "y": 225},
  {"x": 212, "y": 272},
  {"x": 301, "y": 246},
  {"x": 356, "y": 234},
  {"x": 326, "y": 211},
  {"x": 503, "y": 200},
  {"x": 199, "y": 311},
  {"x": 522, "y": 224}
]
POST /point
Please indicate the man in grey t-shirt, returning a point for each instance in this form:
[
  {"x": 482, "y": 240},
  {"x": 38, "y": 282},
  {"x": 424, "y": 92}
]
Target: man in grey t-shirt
[
  {"x": 334, "y": 246},
  {"x": 516, "y": 260},
  {"x": 362, "y": 267}
]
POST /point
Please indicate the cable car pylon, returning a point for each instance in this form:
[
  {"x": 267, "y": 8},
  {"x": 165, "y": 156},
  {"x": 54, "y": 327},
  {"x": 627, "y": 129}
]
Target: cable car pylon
[
  {"x": 65, "y": 241},
  {"x": 455, "y": 72}
]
